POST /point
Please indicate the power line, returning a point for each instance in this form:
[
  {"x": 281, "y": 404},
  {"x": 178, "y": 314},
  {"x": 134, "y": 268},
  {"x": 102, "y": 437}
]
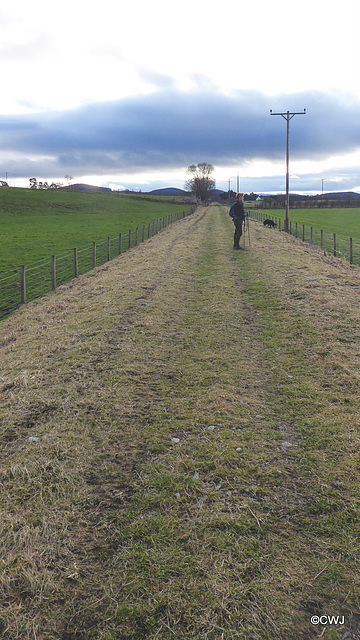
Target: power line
[{"x": 287, "y": 115}]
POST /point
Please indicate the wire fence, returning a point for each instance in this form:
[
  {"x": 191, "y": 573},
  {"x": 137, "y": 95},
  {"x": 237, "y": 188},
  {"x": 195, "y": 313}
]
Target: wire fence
[
  {"x": 26, "y": 283},
  {"x": 343, "y": 248}
]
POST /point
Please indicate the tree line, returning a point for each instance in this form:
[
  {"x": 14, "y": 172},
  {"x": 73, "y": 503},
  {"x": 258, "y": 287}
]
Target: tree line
[{"x": 37, "y": 184}]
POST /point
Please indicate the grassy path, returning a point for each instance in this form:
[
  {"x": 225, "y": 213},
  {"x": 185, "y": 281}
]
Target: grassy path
[{"x": 195, "y": 473}]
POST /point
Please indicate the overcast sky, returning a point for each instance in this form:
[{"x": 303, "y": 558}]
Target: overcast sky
[{"x": 128, "y": 96}]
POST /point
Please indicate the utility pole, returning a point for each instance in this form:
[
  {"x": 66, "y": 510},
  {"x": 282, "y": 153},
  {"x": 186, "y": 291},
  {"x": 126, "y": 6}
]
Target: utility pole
[{"x": 287, "y": 116}]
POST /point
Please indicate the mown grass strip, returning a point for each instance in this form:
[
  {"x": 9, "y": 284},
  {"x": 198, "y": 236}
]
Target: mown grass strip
[{"x": 196, "y": 497}]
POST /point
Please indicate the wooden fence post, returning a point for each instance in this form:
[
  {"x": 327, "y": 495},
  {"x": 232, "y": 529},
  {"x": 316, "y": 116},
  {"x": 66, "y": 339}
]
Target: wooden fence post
[
  {"x": 22, "y": 284},
  {"x": 351, "y": 251},
  {"x": 295, "y": 229},
  {"x": 143, "y": 233},
  {"x": 119, "y": 243},
  {"x": 136, "y": 236},
  {"x": 129, "y": 239},
  {"x": 303, "y": 235},
  {"x": 321, "y": 238},
  {"x": 75, "y": 263},
  {"x": 311, "y": 240},
  {"x": 335, "y": 244},
  {"x": 53, "y": 273}
]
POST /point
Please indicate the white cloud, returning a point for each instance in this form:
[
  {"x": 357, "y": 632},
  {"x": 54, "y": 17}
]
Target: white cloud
[{"x": 90, "y": 52}]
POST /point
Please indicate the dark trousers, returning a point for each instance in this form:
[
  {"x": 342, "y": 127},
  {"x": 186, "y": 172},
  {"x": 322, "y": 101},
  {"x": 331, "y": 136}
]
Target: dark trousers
[{"x": 238, "y": 232}]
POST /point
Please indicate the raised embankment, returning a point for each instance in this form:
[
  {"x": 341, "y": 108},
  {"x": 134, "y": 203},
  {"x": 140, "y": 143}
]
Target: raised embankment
[{"x": 179, "y": 445}]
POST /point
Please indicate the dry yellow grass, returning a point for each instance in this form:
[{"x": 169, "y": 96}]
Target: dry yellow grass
[{"x": 192, "y": 468}]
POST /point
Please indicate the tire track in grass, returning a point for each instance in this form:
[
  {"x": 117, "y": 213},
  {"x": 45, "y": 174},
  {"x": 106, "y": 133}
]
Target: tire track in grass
[{"x": 188, "y": 485}]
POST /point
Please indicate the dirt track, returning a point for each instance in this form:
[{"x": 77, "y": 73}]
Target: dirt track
[{"x": 213, "y": 391}]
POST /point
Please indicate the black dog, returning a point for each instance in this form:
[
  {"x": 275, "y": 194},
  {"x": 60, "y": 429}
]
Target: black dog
[{"x": 269, "y": 223}]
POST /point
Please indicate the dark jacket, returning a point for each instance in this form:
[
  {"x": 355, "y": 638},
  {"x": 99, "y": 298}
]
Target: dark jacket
[{"x": 238, "y": 211}]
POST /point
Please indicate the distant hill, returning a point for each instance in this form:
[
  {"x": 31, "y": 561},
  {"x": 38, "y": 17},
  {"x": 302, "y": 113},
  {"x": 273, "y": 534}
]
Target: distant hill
[
  {"x": 339, "y": 195},
  {"x": 346, "y": 195},
  {"x": 84, "y": 187},
  {"x": 168, "y": 191}
]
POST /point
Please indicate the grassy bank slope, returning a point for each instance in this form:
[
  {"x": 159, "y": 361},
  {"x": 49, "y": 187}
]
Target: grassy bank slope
[
  {"x": 194, "y": 472},
  {"x": 34, "y": 224}
]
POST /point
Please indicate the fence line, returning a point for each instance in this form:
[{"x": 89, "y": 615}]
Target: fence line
[
  {"x": 26, "y": 283},
  {"x": 339, "y": 247}
]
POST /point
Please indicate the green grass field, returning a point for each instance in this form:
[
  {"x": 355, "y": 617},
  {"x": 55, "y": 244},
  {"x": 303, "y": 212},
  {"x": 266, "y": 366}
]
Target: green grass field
[
  {"x": 36, "y": 224},
  {"x": 344, "y": 222}
]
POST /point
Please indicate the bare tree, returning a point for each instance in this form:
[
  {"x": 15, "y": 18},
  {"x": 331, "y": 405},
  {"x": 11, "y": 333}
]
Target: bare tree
[{"x": 200, "y": 181}]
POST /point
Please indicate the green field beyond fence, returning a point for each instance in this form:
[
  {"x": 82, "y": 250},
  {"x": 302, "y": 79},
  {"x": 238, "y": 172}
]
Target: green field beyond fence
[
  {"x": 37, "y": 224},
  {"x": 336, "y": 231},
  {"x": 39, "y": 230}
]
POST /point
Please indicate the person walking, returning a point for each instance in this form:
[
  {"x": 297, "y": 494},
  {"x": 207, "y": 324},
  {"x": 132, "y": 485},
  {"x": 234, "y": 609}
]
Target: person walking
[{"x": 237, "y": 212}]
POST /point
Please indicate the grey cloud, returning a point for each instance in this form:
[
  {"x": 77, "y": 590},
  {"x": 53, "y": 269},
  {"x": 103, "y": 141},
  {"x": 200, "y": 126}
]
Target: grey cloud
[
  {"x": 158, "y": 80},
  {"x": 170, "y": 129},
  {"x": 334, "y": 180}
]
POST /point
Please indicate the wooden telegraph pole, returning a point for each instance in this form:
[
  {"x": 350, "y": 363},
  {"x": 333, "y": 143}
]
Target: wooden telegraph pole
[{"x": 287, "y": 116}]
